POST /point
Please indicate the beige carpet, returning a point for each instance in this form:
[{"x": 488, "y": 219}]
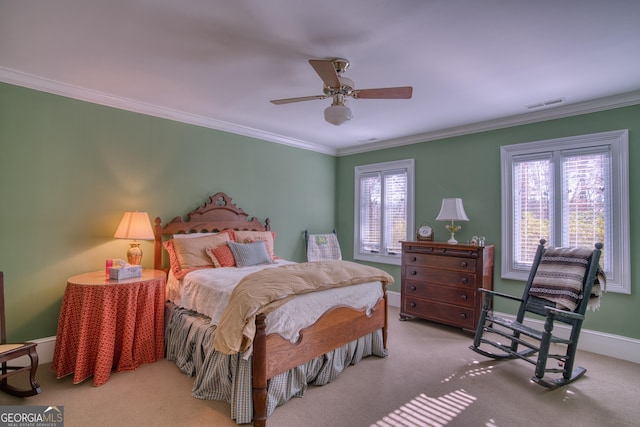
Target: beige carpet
[{"x": 430, "y": 378}]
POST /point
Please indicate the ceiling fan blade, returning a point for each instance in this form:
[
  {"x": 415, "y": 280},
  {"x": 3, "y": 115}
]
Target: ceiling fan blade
[
  {"x": 402, "y": 92},
  {"x": 300, "y": 99},
  {"x": 326, "y": 71}
]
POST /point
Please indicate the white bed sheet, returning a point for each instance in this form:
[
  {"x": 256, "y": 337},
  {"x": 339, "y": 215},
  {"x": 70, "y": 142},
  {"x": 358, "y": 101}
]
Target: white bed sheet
[{"x": 207, "y": 291}]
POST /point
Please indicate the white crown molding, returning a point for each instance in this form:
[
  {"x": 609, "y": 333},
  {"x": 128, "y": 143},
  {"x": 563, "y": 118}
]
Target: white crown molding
[
  {"x": 30, "y": 81},
  {"x": 608, "y": 103}
]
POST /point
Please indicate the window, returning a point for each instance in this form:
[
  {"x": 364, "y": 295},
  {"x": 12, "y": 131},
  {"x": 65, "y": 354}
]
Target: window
[
  {"x": 572, "y": 192},
  {"x": 383, "y": 210}
]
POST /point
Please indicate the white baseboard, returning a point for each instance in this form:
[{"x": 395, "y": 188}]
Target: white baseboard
[
  {"x": 393, "y": 298},
  {"x": 45, "y": 351},
  {"x": 596, "y": 342},
  {"x": 611, "y": 345}
]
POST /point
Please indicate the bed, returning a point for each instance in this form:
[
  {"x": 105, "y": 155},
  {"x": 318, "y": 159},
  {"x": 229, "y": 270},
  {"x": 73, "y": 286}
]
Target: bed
[{"x": 262, "y": 366}]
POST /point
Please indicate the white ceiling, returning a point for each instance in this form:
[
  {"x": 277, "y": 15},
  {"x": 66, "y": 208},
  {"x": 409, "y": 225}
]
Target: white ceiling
[{"x": 473, "y": 64}]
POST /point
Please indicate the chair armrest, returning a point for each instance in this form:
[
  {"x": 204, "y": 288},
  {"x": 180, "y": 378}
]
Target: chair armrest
[
  {"x": 499, "y": 294},
  {"x": 564, "y": 313}
]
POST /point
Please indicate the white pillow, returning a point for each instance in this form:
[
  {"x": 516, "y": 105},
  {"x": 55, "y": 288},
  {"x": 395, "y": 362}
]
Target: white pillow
[{"x": 191, "y": 253}]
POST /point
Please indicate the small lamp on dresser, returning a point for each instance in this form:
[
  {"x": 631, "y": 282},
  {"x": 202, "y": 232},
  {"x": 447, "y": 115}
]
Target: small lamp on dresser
[
  {"x": 134, "y": 226},
  {"x": 452, "y": 210}
]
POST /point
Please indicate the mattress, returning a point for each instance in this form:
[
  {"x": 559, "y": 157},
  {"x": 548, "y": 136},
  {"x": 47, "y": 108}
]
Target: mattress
[{"x": 207, "y": 291}]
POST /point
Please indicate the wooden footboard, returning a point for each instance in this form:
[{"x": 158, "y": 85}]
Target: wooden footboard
[{"x": 273, "y": 354}]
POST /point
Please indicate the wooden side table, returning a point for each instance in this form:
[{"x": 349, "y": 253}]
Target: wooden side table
[{"x": 107, "y": 324}]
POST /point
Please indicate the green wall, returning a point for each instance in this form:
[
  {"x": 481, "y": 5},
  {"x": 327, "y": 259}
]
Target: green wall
[
  {"x": 469, "y": 167},
  {"x": 69, "y": 169}
]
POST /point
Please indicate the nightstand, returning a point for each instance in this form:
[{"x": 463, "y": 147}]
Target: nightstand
[{"x": 106, "y": 324}]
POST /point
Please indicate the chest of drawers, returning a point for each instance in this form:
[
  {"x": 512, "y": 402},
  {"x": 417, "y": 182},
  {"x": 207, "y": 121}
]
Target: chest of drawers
[{"x": 440, "y": 282}]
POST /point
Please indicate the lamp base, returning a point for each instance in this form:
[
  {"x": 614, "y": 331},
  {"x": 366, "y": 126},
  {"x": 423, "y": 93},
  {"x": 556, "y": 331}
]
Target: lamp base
[
  {"x": 134, "y": 254},
  {"x": 452, "y": 240}
]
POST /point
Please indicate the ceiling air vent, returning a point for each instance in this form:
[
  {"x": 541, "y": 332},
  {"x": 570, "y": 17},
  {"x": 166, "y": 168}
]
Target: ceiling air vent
[{"x": 545, "y": 104}]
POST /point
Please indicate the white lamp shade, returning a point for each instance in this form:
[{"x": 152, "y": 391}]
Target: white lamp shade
[
  {"x": 136, "y": 226},
  {"x": 337, "y": 114},
  {"x": 452, "y": 210}
]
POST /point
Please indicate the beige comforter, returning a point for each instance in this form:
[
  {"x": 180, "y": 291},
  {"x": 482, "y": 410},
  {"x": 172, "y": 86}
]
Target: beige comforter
[{"x": 264, "y": 291}]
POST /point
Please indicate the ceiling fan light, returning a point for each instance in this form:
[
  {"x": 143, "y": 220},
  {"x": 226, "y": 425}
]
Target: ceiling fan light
[{"x": 337, "y": 114}]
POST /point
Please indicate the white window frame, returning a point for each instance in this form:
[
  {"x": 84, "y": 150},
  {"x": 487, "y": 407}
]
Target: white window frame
[
  {"x": 619, "y": 278},
  {"x": 409, "y": 165}
]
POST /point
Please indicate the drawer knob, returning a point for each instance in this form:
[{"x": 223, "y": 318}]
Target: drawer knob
[
  {"x": 464, "y": 264},
  {"x": 463, "y": 315},
  {"x": 414, "y": 259},
  {"x": 465, "y": 280},
  {"x": 412, "y": 287},
  {"x": 413, "y": 273},
  {"x": 463, "y": 297},
  {"x": 412, "y": 305}
]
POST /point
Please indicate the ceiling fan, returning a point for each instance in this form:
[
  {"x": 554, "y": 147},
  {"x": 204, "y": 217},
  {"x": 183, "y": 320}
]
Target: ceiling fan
[{"x": 339, "y": 88}]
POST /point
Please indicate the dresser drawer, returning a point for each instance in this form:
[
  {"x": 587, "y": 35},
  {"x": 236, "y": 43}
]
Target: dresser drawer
[
  {"x": 453, "y": 295},
  {"x": 453, "y": 315},
  {"x": 439, "y": 261},
  {"x": 443, "y": 277}
]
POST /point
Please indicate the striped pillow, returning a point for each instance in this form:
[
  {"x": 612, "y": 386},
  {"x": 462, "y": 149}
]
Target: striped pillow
[
  {"x": 247, "y": 254},
  {"x": 560, "y": 276}
]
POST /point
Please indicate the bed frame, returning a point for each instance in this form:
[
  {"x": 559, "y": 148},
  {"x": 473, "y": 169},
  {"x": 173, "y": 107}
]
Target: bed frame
[{"x": 272, "y": 354}]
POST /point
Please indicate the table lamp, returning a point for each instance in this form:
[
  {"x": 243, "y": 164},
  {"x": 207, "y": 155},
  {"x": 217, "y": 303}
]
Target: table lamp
[
  {"x": 452, "y": 210},
  {"x": 134, "y": 225}
]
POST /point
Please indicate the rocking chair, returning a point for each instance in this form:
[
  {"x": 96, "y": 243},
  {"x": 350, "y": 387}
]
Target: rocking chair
[
  {"x": 562, "y": 284},
  {"x": 10, "y": 352}
]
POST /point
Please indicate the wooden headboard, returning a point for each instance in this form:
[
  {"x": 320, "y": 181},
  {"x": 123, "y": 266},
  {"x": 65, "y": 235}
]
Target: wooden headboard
[{"x": 217, "y": 214}]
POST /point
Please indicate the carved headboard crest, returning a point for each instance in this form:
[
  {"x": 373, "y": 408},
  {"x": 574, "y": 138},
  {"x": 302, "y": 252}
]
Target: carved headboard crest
[{"x": 218, "y": 214}]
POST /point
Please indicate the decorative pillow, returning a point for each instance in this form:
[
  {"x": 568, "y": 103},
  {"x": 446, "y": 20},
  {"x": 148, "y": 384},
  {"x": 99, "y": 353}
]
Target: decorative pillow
[
  {"x": 190, "y": 253},
  {"x": 221, "y": 256},
  {"x": 560, "y": 276},
  {"x": 269, "y": 237},
  {"x": 178, "y": 272},
  {"x": 247, "y": 254},
  {"x": 173, "y": 259}
]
